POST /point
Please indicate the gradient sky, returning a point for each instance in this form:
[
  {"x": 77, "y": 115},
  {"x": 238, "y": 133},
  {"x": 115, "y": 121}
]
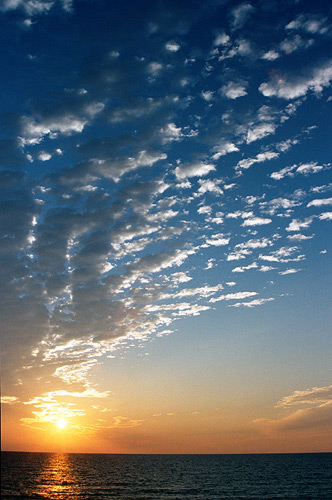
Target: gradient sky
[{"x": 167, "y": 199}]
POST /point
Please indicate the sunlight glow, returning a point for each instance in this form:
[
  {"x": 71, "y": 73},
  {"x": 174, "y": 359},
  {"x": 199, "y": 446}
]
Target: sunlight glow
[{"x": 61, "y": 423}]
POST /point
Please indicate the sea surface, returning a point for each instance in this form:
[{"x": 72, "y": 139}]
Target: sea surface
[{"x": 166, "y": 477}]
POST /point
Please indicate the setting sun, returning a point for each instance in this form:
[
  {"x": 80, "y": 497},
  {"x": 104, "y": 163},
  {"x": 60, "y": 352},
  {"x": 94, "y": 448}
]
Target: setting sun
[{"x": 61, "y": 423}]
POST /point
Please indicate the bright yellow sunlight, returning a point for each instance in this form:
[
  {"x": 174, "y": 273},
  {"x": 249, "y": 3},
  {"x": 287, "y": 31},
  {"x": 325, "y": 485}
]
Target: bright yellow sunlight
[{"x": 61, "y": 423}]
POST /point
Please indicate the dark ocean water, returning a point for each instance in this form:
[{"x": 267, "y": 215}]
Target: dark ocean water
[{"x": 166, "y": 477}]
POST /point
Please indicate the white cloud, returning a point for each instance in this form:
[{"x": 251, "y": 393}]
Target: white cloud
[
  {"x": 299, "y": 237},
  {"x": 252, "y": 303},
  {"x": 289, "y": 271},
  {"x": 195, "y": 169},
  {"x": 33, "y": 130},
  {"x": 209, "y": 186},
  {"x": 116, "y": 168},
  {"x": 180, "y": 277},
  {"x": 308, "y": 396},
  {"x": 223, "y": 149},
  {"x": 310, "y": 23},
  {"x": 170, "y": 133},
  {"x": 279, "y": 203},
  {"x": 154, "y": 68},
  {"x": 320, "y": 203},
  {"x": 207, "y": 95},
  {"x": 297, "y": 225},
  {"x": 233, "y": 296},
  {"x": 303, "y": 168},
  {"x": 210, "y": 264},
  {"x": 233, "y": 90},
  {"x": 265, "y": 269},
  {"x": 172, "y": 46},
  {"x": 254, "y": 243},
  {"x": 271, "y": 55},
  {"x": 291, "y": 44},
  {"x": 283, "y": 254},
  {"x": 31, "y": 7},
  {"x": 260, "y": 158},
  {"x": 204, "y": 210},
  {"x": 204, "y": 291},
  {"x": 240, "y": 14},
  {"x": 325, "y": 216},
  {"x": 297, "y": 86},
  {"x": 260, "y": 131},
  {"x": 242, "y": 269},
  {"x": 216, "y": 240},
  {"x": 221, "y": 39},
  {"x": 43, "y": 156},
  {"x": 256, "y": 221}
]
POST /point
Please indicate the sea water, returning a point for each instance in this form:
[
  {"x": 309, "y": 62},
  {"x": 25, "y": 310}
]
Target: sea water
[{"x": 166, "y": 477}]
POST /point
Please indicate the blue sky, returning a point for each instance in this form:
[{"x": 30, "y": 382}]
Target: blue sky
[{"x": 167, "y": 198}]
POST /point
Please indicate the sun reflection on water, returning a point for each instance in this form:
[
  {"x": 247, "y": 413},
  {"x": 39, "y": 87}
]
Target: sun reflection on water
[{"x": 57, "y": 479}]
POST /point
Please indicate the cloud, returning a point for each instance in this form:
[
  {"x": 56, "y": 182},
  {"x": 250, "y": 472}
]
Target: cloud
[
  {"x": 204, "y": 291},
  {"x": 303, "y": 168},
  {"x": 172, "y": 46},
  {"x": 242, "y": 269},
  {"x": 207, "y": 95},
  {"x": 171, "y": 132},
  {"x": 252, "y": 303},
  {"x": 209, "y": 186},
  {"x": 325, "y": 216},
  {"x": 283, "y": 254},
  {"x": 260, "y": 158},
  {"x": 265, "y": 269},
  {"x": 221, "y": 39},
  {"x": 223, "y": 149},
  {"x": 299, "y": 237},
  {"x": 289, "y": 271},
  {"x": 233, "y": 90},
  {"x": 297, "y": 225},
  {"x": 313, "y": 24},
  {"x": 194, "y": 169},
  {"x": 240, "y": 14},
  {"x": 31, "y": 7},
  {"x": 317, "y": 417},
  {"x": 294, "y": 43},
  {"x": 307, "y": 396},
  {"x": 35, "y": 129},
  {"x": 276, "y": 204},
  {"x": 256, "y": 221},
  {"x": 8, "y": 400},
  {"x": 233, "y": 296},
  {"x": 44, "y": 156},
  {"x": 292, "y": 87},
  {"x": 320, "y": 203},
  {"x": 216, "y": 240},
  {"x": 271, "y": 55},
  {"x": 154, "y": 68}
]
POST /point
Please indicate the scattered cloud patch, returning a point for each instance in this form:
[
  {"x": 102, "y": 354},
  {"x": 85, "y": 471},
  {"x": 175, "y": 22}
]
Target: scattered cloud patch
[
  {"x": 292, "y": 87},
  {"x": 195, "y": 169},
  {"x": 234, "y": 90},
  {"x": 240, "y": 14}
]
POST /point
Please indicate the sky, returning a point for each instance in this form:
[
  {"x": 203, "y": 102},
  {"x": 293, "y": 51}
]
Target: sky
[{"x": 166, "y": 200}]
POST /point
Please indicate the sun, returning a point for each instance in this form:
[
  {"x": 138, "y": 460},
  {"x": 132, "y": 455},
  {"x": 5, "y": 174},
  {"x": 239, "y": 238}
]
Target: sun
[{"x": 61, "y": 423}]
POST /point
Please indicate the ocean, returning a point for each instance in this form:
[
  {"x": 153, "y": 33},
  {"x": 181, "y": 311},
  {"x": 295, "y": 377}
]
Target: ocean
[{"x": 166, "y": 477}]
